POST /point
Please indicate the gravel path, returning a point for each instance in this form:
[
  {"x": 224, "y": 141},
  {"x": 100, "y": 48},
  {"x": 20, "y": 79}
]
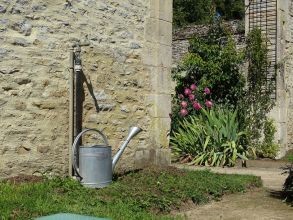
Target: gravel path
[{"x": 259, "y": 204}]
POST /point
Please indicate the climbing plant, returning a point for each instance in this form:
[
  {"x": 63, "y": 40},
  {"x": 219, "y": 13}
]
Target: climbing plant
[{"x": 257, "y": 101}]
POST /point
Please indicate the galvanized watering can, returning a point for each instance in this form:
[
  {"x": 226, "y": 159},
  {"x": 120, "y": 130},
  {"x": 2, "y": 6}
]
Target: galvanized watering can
[{"x": 95, "y": 167}]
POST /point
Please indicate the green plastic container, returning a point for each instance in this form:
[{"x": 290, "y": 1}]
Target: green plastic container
[{"x": 66, "y": 216}]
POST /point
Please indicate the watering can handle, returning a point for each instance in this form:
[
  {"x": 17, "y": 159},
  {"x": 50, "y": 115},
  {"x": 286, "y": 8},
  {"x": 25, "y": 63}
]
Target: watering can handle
[{"x": 74, "y": 161}]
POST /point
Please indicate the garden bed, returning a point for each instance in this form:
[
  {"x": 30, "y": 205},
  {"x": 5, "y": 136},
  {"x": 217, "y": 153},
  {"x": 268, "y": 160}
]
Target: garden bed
[{"x": 144, "y": 194}]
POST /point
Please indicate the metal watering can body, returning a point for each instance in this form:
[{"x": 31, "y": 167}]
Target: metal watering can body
[{"x": 95, "y": 167}]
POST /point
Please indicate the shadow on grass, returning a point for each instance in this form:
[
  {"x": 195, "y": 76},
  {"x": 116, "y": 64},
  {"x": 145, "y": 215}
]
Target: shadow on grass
[{"x": 116, "y": 176}]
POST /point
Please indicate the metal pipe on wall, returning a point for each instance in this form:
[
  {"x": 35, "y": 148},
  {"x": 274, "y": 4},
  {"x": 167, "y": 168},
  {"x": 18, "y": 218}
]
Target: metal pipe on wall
[
  {"x": 71, "y": 107},
  {"x": 76, "y": 96}
]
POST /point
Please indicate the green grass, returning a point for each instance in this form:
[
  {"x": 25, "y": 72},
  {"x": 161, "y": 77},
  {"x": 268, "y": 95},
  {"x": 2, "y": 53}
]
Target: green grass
[{"x": 145, "y": 194}]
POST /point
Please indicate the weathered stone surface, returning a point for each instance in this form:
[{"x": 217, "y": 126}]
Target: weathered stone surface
[
  {"x": 3, "y": 52},
  {"x": 20, "y": 106},
  {"x": 35, "y": 42},
  {"x": 2, "y": 9},
  {"x": 9, "y": 70},
  {"x": 23, "y": 150},
  {"x": 19, "y": 41},
  {"x": 4, "y": 23},
  {"x": 181, "y": 37},
  {"x": 23, "y": 27},
  {"x": 147, "y": 157}
]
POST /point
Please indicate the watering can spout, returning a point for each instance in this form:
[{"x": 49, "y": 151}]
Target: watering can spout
[{"x": 132, "y": 132}]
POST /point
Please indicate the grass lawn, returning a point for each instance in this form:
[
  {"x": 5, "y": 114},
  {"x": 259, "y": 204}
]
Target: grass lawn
[{"x": 146, "y": 194}]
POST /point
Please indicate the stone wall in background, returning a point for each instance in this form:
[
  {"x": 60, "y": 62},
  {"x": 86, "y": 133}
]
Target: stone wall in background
[
  {"x": 181, "y": 37},
  {"x": 127, "y": 67}
]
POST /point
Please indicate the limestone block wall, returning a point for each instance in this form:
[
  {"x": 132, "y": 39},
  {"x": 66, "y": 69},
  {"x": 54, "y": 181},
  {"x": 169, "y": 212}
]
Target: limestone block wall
[
  {"x": 181, "y": 37},
  {"x": 285, "y": 26},
  {"x": 126, "y": 66}
]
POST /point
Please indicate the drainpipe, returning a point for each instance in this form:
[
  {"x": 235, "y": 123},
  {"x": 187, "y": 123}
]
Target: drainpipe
[{"x": 71, "y": 106}]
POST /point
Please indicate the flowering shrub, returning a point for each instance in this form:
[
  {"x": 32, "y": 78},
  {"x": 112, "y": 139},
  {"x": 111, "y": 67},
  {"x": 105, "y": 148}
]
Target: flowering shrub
[
  {"x": 213, "y": 62},
  {"x": 192, "y": 100}
]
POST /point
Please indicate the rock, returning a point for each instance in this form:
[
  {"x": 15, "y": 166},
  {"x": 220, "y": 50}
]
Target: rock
[
  {"x": 22, "y": 81},
  {"x": 124, "y": 109},
  {"x": 9, "y": 70},
  {"x": 89, "y": 2},
  {"x": 74, "y": 10},
  {"x": 20, "y": 7},
  {"x": 119, "y": 55},
  {"x": 4, "y": 21},
  {"x": 2, "y": 9},
  {"x": 103, "y": 7},
  {"x": 52, "y": 45},
  {"x": 43, "y": 149},
  {"x": 23, "y": 27},
  {"x": 134, "y": 45},
  {"x": 45, "y": 105},
  {"x": 20, "y": 106},
  {"x": 4, "y": 150},
  {"x": 3, "y": 24},
  {"x": 23, "y": 150},
  {"x": 106, "y": 107},
  {"x": 126, "y": 35},
  {"x": 101, "y": 95},
  {"x": 39, "y": 7},
  {"x": 20, "y": 42},
  {"x": 3, "y": 52},
  {"x": 2, "y": 102}
]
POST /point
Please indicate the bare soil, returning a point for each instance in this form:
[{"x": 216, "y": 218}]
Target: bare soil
[
  {"x": 259, "y": 204},
  {"x": 24, "y": 179}
]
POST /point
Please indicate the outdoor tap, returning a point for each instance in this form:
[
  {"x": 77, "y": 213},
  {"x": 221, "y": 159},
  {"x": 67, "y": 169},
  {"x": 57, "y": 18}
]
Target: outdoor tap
[{"x": 76, "y": 57}]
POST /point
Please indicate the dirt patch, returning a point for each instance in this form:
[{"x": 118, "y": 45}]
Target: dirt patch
[
  {"x": 24, "y": 179},
  {"x": 261, "y": 204},
  {"x": 257, "y": 204}
]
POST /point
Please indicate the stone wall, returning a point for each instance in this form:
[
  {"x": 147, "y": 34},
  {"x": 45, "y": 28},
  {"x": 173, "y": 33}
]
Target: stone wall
[
  {"x": 289, "y": 75},
  {"x": 181, "y": 37},
  {"x": 127, "y": 68},
  {"x": 285, "y": 80}
]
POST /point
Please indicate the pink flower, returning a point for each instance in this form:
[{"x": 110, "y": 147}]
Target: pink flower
[
  {"x": 181, "y": 96},
  {"x": 183, "y": 112},
  {"x": 207, "y": 91},
  {"x": 184, "y": 104},
  {"x": 197, "y": 106},
  {"x": 209, "y": 104},
  {"x": 187, "y": 91},
  {"x": 191, "y": 97},
  {"x": 193, "y": 87}
]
